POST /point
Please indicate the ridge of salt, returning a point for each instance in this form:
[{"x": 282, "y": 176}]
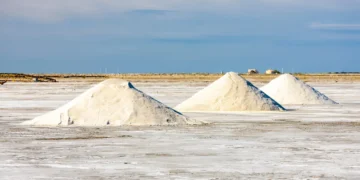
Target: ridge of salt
[
  {"x": 112, "y": 102},
  {"x": 230, "y": 93},
  {"x": 287, "y": 89}
]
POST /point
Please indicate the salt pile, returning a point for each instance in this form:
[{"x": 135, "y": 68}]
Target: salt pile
[
  {"x": 287, "y": 89},
  {"x": 112, "y": 102},
  {"x": 230, "y": 93}
]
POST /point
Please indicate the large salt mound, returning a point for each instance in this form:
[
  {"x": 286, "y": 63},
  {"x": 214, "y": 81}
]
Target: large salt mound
[
  {"x": 230, "y": 93},
  {"x": 112, "y": 102},
  {"x": 287, "y": 89}
]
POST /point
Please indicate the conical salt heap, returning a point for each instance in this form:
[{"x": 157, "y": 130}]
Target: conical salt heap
[
  {"x": 230, "y": 93},
  {"x": 287, "y": 89},
  {"x": 113, "y": 102}
]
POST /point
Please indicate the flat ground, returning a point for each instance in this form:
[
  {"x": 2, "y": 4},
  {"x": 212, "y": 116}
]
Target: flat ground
[
  {"x": 171, "y": 77},
  {"x": 314, "y": 142}
]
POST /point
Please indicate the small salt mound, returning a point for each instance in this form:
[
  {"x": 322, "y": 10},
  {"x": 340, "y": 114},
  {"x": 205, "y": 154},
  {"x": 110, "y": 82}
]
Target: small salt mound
[
  {"x": 287, "y": 89},
  {"x": 112, "y": 102},
  {"x": 230, "y": 93}
]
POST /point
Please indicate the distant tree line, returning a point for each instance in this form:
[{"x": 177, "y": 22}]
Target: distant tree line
[{"x": 343, "y": 72}]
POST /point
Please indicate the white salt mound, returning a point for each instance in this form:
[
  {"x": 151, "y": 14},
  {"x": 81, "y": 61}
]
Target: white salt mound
[
  {"x": 230, "y": 93},
  {"x": 112, "y": 102},
  {"x": 287, "y": 89}
]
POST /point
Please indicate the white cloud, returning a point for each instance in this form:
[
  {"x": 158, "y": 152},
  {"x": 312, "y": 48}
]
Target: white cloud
[
  {"x": 45, "y": 10},
  {"x": 322, "y": 26},
  {"x": 50, "y": 10},
  {"x": 318, "y": 4}
]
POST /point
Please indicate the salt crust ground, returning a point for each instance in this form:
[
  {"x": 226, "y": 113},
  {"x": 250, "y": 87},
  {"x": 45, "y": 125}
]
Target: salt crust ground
[
  {"x": 306, "y": 142},
  {"x": 112, "y": 102},
  {"x": 230, "y": 93},
  {"x": 287, "y": 89}
]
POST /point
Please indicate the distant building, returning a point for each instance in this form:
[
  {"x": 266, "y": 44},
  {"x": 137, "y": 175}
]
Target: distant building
[
  {"x": 253, "y": 71},
  {"x": 272, "y": 71}
]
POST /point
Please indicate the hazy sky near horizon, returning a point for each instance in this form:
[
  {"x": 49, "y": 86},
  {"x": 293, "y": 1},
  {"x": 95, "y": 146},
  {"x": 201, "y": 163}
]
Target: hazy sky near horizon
[{"x": 87, "y": 36}]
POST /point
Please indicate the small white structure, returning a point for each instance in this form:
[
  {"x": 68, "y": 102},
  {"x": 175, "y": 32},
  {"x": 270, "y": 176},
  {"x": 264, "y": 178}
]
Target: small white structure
[
  {"x": 272, "y": 71},
  {"x": 253, "y": 71}
]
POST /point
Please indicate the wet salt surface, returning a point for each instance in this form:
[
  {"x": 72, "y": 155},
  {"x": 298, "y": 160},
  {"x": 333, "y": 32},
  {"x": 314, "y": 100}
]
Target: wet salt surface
[{"x": 306, "y": 142}]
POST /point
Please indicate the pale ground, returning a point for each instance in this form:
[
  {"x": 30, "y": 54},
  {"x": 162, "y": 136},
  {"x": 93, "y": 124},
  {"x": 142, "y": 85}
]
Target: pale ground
[{"x": 307, "y": 142}]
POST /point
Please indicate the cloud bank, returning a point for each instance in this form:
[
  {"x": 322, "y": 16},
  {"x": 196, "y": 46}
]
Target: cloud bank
[
  {"x": 322, "y": 26},
  {"x": 52, "y": 10}
]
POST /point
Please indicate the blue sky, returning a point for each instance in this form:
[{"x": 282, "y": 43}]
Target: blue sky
[{"x": 87, "y": 36}]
